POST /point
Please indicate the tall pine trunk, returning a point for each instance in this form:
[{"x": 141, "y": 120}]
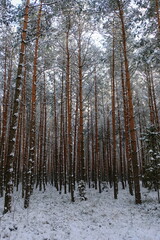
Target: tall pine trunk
[
  {"x": 69, "y": 114},
  {"x": 14, "y": 117},
  {"x": 131, "y": 113},
  {"x": 32, "y": 150},
  {"x": 97, "y": 157},
  {"x": 126, "y": 128},
  {"x": 81, "y": 134},
  {"x": 115, "y": 181}
]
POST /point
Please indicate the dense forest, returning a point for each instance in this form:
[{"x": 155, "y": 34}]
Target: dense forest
[{"x": 80, "y": 97}]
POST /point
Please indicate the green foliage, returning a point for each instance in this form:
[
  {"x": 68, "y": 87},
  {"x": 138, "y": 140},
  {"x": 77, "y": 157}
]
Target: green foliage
[
  {"x": 82, "y": 190},
  {"x": 151, "y": 176}
]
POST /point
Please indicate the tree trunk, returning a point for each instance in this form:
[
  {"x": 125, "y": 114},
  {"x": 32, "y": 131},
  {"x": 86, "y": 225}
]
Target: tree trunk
[
  {"x": 97, "y": 157},
  {"x": 81, "y": 134},
  {"x": 158, "y": 16},
  {"x": 120, "y": 143},
  {"x": 44, "y": 171},
  {"x": 14, "y": 118},
  {"x": 69, "y": 114},
  {"x": 131, "y": 113},
  {"x": 61, "y": 155},
  {"x": 32, "y": 150},
  {"x": 115, "y": 181},
  {"x": 55, "y": 139},
  {"x": 126, "y": 128}
]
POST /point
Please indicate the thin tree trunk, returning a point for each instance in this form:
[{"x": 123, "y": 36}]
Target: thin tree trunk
[
  {"x": 75, "y": 157},
  {"x": 97, "y": 157},
  {"x": 55, "y": 139},
  {"x": 41, "y": 144},
  {"x": 81, "y": 134},
  {"x": 158, "y": 16},
  {"x": 154, "y": 100},
  {"x": 24, "y": 134},
  {"x": 150, "y": 97},
  {"x": 120, "y": 143},
  {"x": 115, "y": 180},
  {"x": 45, "y": 138},
  {"x": 88, "y": 147},
  {"x": 94, "y": 175},
  {"x": 69, "y": 116},
  {"x": 126, "y": 128},
  {"x": 109, "y": 153},
  {"x": 61, "y": 155},
  {"x": 4, "y": 127}
]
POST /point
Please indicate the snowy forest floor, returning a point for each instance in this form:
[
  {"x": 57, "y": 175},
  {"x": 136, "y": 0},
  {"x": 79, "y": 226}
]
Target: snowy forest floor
[{"x": 52, "y": 216}]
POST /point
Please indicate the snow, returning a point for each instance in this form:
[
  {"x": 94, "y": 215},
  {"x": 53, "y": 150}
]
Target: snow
[
  {"x": 16, "y": 2},
  {"x": 12, "y": 154},
  {"x": 150, "y": 151},
  {"x": 52, "y": 216},
  {"x": 20, "y": 76}
]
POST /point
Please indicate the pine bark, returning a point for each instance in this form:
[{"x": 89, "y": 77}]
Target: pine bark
[
  {"x": 157, "y": 123},
  {"x": 69, "y": 114},
  {"x": 97, "y": 157},
  {"x": 126, "y": 128},
  {"x": 114, "y": 121},
  {"x": 120, "y": 143},
  {"x": 81, "y": 134},
  {"x": 131, "y": 112},
  {"x": 55, "y": 139},
  {"x": 61, "y": 155},
  {"x": 44, "y": 171},
  {"x": 88, "y": 146},
  {"x": 14, "y": 117},
  {"x": 158, "y": 16},
  {"x": 32, "y": 150}
]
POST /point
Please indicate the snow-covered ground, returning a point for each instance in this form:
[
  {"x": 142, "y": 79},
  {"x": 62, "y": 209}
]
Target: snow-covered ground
[{"x": 53, "y": 217}]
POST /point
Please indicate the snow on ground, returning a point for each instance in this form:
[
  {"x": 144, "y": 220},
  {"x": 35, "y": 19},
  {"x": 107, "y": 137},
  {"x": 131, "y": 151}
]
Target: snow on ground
[{"x": 52, "y": 216}]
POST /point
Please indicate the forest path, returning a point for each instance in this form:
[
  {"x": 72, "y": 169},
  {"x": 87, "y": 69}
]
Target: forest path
[{"x": 52, "y": 216}]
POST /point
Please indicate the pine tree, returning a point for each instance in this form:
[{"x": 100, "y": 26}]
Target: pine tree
[
  {"x": 151, "y": 175},
  {"x": 32, "y": 150},
  {"x": 130, "y": 104},
  {"x": 14, "y": 117}
]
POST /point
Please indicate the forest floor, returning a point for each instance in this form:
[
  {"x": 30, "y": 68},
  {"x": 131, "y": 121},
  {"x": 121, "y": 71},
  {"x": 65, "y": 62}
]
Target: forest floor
[{"x": 52, "y": 216}]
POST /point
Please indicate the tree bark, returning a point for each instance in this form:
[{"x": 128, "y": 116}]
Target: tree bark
[
  {"x": 97, "y": 157},
  {"x": 126, "y": 128},
  {"x": 130, "y": 103},
  {"x": 14, "y": 117},
  {"x": 32, "y": 150},
  {"x": 114, "y": 120},
  {"x": 69, "y": 114},
  {"x": 81, "y": 134},
  {"x": 158, "y": 16}
]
